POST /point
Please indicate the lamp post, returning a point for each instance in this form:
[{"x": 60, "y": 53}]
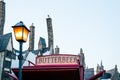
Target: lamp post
[{"x": 21, "y": 35}]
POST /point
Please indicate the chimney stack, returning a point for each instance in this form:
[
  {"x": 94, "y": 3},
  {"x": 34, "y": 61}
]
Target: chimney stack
[
  {"x": 2, "y": 16},
  {"x": 57, "y": 50},
  {"x": 31, "y": 37},
  {"x": 50, "y": 35}
]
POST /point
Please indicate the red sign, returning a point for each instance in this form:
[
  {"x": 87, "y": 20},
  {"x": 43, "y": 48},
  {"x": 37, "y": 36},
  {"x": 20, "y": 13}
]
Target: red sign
[{"x": 57, "y": 59}]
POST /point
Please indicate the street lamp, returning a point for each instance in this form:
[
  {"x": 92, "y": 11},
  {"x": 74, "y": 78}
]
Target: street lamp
[{"x": 21, "y": 35}]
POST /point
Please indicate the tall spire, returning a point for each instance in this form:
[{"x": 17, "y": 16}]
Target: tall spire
[
  {"x": 82, "y": 57},
  {"x": 116, "y": 68},
  {"x": 48, "y": 16},
  {"x": 101, "y": 63},
  {"x": 81, "y": 50},
  {"x": 102, "y": 67}
]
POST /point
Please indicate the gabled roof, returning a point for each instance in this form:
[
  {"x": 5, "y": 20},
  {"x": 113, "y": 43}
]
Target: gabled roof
[{"x": 4, "y": 39}]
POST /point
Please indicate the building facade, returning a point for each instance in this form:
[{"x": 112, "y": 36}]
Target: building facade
[
  {"x": 115, "y": 75},
  {"x": 89, "y": 72},
  {"x": 6, "y": 55}
]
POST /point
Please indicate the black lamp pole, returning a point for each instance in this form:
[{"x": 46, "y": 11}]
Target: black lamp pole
[{"x": 20, "y": 57}]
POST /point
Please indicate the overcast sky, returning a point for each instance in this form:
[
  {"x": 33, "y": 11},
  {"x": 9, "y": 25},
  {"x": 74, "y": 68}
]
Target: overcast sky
[{"x": 93, "y": 25}]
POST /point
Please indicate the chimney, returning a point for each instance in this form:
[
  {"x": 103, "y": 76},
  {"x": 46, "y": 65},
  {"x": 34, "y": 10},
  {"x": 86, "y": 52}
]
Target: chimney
[
  {"x": 2, "y": 16},
  {"x": 50, "y": 35},
  {"x": 31, "y": 37},
  {"x": 57, "y": 50}
]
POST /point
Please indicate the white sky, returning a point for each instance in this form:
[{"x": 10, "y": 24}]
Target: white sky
[{"x": 93, "y": 25}]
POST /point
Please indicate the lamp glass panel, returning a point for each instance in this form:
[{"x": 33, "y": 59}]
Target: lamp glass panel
[
  {"x": 18, "y": 33},
  {"x": 25, "y": 34}
]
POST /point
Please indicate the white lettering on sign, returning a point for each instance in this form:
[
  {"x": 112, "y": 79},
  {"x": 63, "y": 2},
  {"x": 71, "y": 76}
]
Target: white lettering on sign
[{"x": 57, "y": 59}]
